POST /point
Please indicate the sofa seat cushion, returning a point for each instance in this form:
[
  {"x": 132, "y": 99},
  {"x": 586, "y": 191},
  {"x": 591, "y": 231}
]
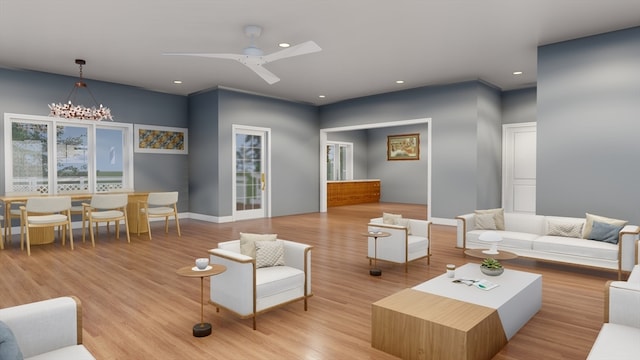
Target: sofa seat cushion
[
  {"x": 576, "y": 247},
  {"x": 417, "y": 243},
  {"x": 277, "y": 279},
  {"x": 617, "y": 342},
  {"x": 75, "y": 352},
  {"x": 510, "y": 239}
]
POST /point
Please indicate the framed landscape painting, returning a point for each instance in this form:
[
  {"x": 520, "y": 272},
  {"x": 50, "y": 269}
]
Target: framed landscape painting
[
  {"x": 160, "y": 139},
  {"x": 403, "y": 147}
]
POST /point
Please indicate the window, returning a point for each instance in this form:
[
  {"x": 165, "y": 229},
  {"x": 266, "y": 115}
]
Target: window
[
  {"x": 55, "y": 156},
  {"x": 339, "y": 161}
]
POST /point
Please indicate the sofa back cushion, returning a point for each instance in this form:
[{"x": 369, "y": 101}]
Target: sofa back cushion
[
  {"x": 563, "y": 226},
  {"x": 590, "y": 218},
  {"x": 527, "y": 223},
  {"x": 485, "y": 222},
  {"x": 605, "y": 232},
  {"x": 269, "y": 253},
  {"x": 9, "y": 348},
  {"x": 498, "y": 217},
  {"x": 247, "y": 242}
]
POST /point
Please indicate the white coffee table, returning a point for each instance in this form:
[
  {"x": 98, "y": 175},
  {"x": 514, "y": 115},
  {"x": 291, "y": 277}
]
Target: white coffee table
[
  {"x": 442, "y": 317},
  {"x": 517, "y": 298}
]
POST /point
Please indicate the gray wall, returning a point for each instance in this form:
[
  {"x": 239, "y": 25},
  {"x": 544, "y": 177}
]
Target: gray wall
[
  {"x": 489, "y": 150},
  {"x": 588, "y": 126},
  {"x": 454, "y": 110},
  {"x": 29, "y": 92},
  {"x": 203, "y": 158},
  {"x": 519, "y": 106},
  {"x": 294, "y": 150},
  {"x": 586, "y": 106},
  {"x": 400, "y": 181}
]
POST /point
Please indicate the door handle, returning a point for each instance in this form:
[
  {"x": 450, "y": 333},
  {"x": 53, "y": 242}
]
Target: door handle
[{"x": 262, "y": 179}]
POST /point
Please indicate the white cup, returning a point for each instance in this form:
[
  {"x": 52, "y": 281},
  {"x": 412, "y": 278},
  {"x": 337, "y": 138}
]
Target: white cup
[
  {"x": 375, "y": 230},
  {"x": 201, "y": 263},
  {"x": 451, "y": 270}
]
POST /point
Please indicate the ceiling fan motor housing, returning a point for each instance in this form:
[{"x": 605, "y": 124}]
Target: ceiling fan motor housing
[
  {"x": 252, "y": 31},
  {"x": 252, "y": 51}
]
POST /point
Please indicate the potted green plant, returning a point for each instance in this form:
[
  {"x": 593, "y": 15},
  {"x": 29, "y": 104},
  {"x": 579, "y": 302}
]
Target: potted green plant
[{"x": 491, "y": 267}]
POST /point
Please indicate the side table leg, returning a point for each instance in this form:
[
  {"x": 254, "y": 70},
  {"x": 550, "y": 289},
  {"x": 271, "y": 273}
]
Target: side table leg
[
  {"x": 202, "y": 329},
  {"x": 375, "y": 271}
]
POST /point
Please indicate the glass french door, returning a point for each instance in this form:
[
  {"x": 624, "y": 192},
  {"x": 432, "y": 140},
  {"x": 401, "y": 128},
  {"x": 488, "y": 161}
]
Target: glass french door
[{"x": 250, "y": 200}]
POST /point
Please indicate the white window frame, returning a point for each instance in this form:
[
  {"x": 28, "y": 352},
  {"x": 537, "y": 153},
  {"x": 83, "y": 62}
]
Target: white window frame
[
  {"x": 349, "y": 159},
  {"x": 52, "y": 123}
]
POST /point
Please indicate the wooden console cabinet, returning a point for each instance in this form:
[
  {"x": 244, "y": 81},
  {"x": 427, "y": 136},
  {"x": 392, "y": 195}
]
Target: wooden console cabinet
[{"x": 352, "y": 192}]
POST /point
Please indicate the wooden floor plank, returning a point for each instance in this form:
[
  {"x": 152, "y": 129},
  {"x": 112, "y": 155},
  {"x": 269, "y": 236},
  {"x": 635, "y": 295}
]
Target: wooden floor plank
[{"x": 136, "y": 307}]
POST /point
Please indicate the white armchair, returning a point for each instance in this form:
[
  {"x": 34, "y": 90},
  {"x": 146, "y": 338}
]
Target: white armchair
[
  {"x": 406, "y": 243},
  {"x": 248, "y": 291},
  {"x": 48, "y": 329},
  {"x": 619, "y": 335}
]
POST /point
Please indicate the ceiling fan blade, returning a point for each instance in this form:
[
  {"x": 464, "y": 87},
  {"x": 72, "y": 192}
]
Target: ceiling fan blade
[
  {"x": 236, "y": 57},
  {"x": 300, "y": 49},
  {"x": 265, "y": 74}
]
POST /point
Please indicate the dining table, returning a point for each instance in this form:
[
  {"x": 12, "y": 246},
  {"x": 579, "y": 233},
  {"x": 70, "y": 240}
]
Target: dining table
[{"x": 39, "y": 236}]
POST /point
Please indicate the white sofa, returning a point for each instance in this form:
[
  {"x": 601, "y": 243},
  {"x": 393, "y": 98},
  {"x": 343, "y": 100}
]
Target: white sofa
[
  {"x": 526, "y": 235},
  {"x": 248, "y": 291},
  {"x": 49, "y": 329},
  {"x": 619, "y": 337},
  {"x": 405, "y": 244}
]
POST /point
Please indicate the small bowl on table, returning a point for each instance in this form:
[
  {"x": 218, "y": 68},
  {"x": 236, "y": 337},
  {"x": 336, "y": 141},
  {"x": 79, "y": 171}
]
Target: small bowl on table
[{"x": 202, "y": 263}]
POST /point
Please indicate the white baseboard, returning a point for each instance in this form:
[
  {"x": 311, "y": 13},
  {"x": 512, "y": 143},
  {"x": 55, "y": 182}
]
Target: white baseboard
[
  {"x": 444, "y": 221},
  {"x": 210, "y": 218},
  {"x": 225, "y": 219}
]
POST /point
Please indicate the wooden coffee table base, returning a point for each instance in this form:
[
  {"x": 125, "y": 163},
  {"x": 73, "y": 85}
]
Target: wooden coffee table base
[{"x": 428, "y": 326}]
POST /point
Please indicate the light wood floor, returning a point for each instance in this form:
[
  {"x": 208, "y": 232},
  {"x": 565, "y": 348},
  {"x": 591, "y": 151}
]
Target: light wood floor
[{"x": 136, "y": 307}]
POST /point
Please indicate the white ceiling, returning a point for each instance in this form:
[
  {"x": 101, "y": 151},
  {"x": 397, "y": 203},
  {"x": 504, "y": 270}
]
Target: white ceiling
[{"x": 367, "y": 44}]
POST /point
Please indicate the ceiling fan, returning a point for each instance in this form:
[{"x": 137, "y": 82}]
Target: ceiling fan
[{"x": 254, "y": 58}]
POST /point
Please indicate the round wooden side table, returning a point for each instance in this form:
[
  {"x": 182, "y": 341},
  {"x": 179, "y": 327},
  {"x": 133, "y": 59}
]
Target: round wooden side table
[
  {"x": 501, "y": 255},
  {"x": 375, "y": 271},
  {"x": 201, "y": 329}
]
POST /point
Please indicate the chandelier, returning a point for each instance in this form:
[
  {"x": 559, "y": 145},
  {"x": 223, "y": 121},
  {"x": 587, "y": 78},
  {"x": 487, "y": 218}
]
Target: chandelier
[{"x": 68, "y": 110}]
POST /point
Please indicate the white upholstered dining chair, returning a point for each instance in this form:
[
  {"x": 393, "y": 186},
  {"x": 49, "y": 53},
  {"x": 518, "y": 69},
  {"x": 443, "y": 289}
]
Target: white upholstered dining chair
[
  {"x": 105, "y": 208},
  {"x": 47, "y": 211},
  {"x": 159, "y": 204}
]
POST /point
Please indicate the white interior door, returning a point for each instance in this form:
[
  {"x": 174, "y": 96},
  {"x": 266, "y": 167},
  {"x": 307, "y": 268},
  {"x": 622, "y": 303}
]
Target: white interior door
[
  {"x": 519, "y": 168},
  {"x": 251, "y": 180}
]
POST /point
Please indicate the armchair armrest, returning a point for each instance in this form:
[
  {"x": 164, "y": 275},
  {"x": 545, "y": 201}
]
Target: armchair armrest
[
  {"x": 44, "y": 326},
  {"x": 234, "y": 288},
  {"x": 621, "y": 303},
  {"x": 420, "y": 228},
  {"x": 627, "y": 253},
  {"x": 398, "y": 233},
  {"x": 297, "y": 255},
  {"x": 465, "y": 223},
  {"x": 230, "y": 255}
]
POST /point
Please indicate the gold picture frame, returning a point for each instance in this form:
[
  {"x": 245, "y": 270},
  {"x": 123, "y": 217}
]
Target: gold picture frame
[{"x": 403, "y": 147}]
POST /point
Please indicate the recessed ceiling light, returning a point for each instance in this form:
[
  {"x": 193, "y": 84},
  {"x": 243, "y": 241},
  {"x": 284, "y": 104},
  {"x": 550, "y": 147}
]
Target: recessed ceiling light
[
  {"x": 321, "y": 96},
  {"x": 177, "y": 81},
  {"x": 284, "y": 45},
  {"x": 517, "y": 73},
  {"x": 399, "y": 81}
]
